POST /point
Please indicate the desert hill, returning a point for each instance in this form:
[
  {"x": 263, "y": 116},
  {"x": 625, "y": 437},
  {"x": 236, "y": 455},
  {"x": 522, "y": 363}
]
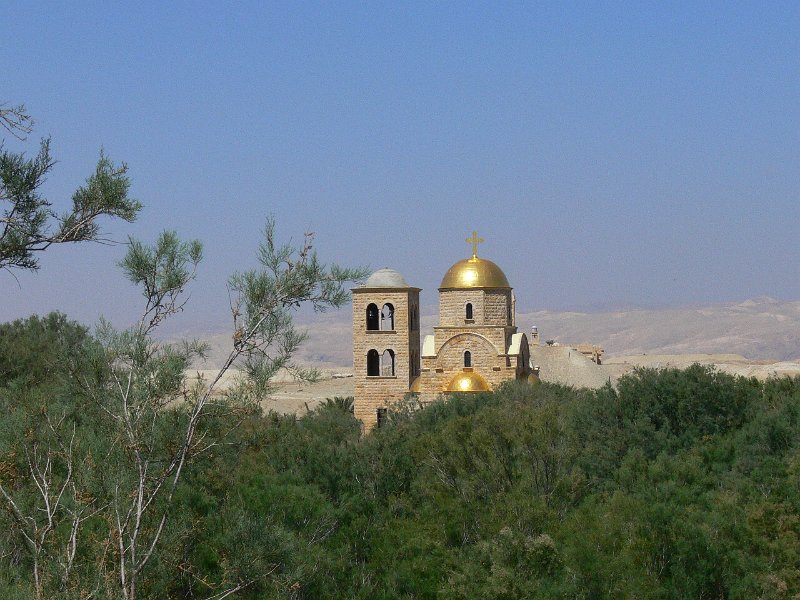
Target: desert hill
[
  {"x": 758, "y": 329},
  {"x": 761, "y": 329}
]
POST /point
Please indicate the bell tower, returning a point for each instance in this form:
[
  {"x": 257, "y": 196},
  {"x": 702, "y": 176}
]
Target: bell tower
[{"x": 385, "y": 344}]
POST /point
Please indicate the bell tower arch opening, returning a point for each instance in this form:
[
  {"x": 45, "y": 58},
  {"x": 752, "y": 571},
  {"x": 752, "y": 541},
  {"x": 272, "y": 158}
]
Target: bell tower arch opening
[
  {"x": 387, "y": 363},
  {"x": 387, "y": 317},
  {"x": 372, "y": 317},
  {"x": 373, "y": 363}
]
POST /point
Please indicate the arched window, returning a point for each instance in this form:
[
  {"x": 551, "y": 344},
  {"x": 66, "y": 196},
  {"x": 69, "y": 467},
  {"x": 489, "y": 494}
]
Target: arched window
[
  {"x": 380, "y": 414},
  {"x": 387, "y": 317},
  {"x": 469, "y": 316},
  {"x": 373, "y": 363},
  {"x": 372, "y": 317},
  {"x": 387, "y": 364},
  {"x": 467, "y": 358}
]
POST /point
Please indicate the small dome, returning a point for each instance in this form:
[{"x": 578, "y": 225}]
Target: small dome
[
  {"x": 386, "y": 278},
  {"x": 533, "y": 379},
  {"x": 474, "y": 273},
  {"x": 468, "y": 381},
  {"x": 416, "y": 385}
]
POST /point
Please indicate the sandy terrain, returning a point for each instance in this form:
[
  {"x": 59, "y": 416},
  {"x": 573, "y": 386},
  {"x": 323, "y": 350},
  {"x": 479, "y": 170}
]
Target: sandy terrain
[
  {"x": 291, "y": 395},
  {"x": 297, "y": 396}
]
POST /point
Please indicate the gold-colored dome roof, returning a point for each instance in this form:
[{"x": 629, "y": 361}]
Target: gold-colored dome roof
[
  {"x": 468, "y": 381},
  {"x": 474, "y": 273},
  {"x": 416, "y": 385}
]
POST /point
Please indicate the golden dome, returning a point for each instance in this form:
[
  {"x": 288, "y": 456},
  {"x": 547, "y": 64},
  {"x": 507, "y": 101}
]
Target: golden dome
[
  {"x": 533, "y": 379},
  {"x": 468, "y": 381},
  {"x": 416, "y": 385},
  {"x": 474, "y": 273}
]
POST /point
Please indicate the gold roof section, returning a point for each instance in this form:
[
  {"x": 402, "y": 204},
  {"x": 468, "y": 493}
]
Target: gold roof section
[
  {"x": 468, "y": 381},
  {"x": 474, "y": 272}
]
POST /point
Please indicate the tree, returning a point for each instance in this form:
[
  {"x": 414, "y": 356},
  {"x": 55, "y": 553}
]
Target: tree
[
  {"x": 156, "y": 414},
  {"x": 114, "y": 452},
  {"x": 28, "y": 223},
  {"x": 45, "y": 434}
]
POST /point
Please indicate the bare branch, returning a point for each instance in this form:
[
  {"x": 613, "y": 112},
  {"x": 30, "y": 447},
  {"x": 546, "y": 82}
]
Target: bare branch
[{"x": 16, "y": 120}]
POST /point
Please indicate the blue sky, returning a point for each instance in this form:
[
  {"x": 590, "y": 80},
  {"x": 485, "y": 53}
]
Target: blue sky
[{"x": 610, "y": 154}]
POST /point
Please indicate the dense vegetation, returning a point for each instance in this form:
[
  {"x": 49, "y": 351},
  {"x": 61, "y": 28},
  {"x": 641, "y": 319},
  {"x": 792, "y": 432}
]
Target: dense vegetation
[{"x": 676, "y": 484}]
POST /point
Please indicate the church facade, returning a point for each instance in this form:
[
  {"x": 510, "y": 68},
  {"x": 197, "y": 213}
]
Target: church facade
[{"x": 474, "y": 348}]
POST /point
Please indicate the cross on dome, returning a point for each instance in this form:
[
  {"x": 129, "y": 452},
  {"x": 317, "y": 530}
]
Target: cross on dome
[{"x": 475, "y": 240}]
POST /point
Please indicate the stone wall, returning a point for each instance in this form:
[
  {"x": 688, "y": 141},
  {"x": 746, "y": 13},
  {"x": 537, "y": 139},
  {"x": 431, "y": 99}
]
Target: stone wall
[
  {"x": 452, "y": 307},
  {"x": 377, "y": 392},
  {"x": 489, "y": 307},
  {"x": 495, "y": 366},
  {"x": 497, "y": 307},
  {"x": 484, "y": 353},
  {"x": 499, "y": 336}
]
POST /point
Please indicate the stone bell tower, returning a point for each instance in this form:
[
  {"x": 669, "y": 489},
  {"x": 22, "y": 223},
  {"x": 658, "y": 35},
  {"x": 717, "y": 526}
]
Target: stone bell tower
[{"x": 385, "y": 344}]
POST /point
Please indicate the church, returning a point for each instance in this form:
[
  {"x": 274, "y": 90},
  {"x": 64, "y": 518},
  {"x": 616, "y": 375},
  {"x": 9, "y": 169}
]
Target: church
[{"x": 475, "y": 347}]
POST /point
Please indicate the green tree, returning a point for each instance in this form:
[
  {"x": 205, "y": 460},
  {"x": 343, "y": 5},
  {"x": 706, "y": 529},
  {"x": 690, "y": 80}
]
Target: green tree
[
  {"x": 28, "y": 223},
  {"x": 46, "y": 436},
  {"x": 38, "y": 349},
  {"x": 510, "y": 566},
  {"x": 97, "y": 527},
  {"x": 156, "y": 413}
]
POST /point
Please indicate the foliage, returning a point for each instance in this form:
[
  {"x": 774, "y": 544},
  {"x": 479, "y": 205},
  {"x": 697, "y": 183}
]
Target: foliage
[
  {"x": 43, "y": 429},
  {"x": 28, "y": 223},
  {"x": 34, "y": 349},
  {"x": 345, "y": 403},
  {"x": 102, "y": 430},
  {"x": 674, "y": 484},
  {"x": 264, "y": 298}
]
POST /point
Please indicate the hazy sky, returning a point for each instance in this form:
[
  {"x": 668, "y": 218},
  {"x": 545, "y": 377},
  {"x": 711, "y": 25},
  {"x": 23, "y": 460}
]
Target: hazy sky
[{"x": 610, "y": 154}]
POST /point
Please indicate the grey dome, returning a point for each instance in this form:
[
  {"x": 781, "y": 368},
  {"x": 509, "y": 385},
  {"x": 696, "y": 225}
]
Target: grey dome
[{"x": 386, "y": 278}]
